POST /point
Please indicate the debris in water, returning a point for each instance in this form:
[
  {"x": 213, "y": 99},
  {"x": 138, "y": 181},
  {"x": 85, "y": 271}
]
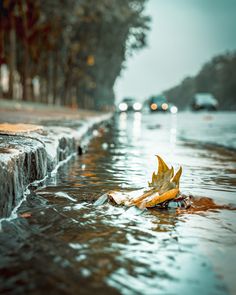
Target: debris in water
[
  {"x": 25, "y": 215},
  {"x": 163, "y": 188},
  {"x": 80, "y": 150},
  {"x": 65, "y": 195}
]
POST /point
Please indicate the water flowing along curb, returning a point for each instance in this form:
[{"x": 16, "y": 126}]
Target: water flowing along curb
[{"x": 28, "y": 156}]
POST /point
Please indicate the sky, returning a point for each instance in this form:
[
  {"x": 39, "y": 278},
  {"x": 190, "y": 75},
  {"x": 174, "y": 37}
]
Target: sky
[{"x": 184, "y": 35}]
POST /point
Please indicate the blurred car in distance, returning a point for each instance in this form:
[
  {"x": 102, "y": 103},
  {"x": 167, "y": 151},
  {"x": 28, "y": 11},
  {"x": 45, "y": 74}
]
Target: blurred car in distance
[
  {"x": 204, "y": 101},
  {"x": 158, "y": 103},
  {"x": 130, "y": 104}
]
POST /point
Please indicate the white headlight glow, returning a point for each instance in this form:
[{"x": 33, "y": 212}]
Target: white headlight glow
[
  {"x": 173, "y": 110},
  {"x": 137, "y": 106},
  {"x": 123, "y": 106}
]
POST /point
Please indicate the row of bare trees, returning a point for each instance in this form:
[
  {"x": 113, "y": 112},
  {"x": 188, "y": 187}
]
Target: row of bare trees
[{"x": 67, "y": 52}]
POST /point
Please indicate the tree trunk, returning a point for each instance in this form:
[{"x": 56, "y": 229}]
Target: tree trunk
[
  {"x": 55, "y": 77},
  {"x": 12, "y": 57},
  {"x": 66, "y": 90},
  {"x": 1, "y": 59},
  {"x": 26, "y": 61},
  {"x": 46, "y": 84},
  {"x": 2, "y": 52},
  {"x": 1, "y": 92}
]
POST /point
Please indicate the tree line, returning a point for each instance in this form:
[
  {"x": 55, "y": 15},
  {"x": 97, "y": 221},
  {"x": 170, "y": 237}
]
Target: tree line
[
  {"x": 67, "y": 52},
  {"x": 217, "y": 76}
]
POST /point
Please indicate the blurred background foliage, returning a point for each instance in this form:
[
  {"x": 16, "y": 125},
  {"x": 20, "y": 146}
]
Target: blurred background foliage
[
  {"x": 217, "y": 77},
  {"x": 67, "y": 52}
]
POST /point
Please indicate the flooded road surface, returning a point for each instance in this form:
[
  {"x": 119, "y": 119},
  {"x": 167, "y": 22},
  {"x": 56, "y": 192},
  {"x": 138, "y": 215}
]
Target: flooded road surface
[{"x": 64, "y": 244}]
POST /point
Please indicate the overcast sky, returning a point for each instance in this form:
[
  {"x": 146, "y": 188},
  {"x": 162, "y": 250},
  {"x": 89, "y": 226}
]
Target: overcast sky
[{"x": 184, "y": 35}]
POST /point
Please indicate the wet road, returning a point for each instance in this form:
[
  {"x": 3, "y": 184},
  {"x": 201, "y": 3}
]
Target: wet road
[{"x": 66, "y": 245}]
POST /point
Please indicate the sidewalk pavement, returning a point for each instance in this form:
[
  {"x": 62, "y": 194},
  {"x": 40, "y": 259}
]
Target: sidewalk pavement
[{"x": 34, "y": 140}]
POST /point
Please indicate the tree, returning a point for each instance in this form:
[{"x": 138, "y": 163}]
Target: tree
[
  {"x": 74, "y": 48},
  {"x": 217, "y": 77}
]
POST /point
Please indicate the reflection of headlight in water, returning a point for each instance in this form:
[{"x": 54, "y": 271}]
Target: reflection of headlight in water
[
  {"x": 154, "y": 106},
  {"x": 164, "y": 106},
  {"x": 137, "y": 125},
  {"x": 173, "y": 109},
  {"x": 123, "y": 107},
  {"x": 123, "y": 121},
  {"x": 137, "y": 106}
]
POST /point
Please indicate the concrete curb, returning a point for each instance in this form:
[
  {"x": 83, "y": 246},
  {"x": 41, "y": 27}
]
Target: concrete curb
[{"x": 29, "y": 157}]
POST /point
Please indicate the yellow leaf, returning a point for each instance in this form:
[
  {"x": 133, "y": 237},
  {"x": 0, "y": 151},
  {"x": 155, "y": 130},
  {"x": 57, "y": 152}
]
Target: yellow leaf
[
  {"x": 162, "y": 166},
  {"x": 158, "y": 199},
  {"x": 176, "y": 178},
  {"x": 163, "y": 187}
]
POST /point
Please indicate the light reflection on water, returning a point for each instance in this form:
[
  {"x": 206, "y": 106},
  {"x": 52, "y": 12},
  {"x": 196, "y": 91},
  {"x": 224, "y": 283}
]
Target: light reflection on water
[{"x": 71, "y": 246}]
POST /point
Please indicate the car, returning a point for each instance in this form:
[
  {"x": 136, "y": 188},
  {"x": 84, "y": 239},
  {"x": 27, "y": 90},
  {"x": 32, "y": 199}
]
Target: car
[
  {"x": 158, "y": 103},
  {"x": 130, "y": 104},
  {"x": 204, "y": 101}
]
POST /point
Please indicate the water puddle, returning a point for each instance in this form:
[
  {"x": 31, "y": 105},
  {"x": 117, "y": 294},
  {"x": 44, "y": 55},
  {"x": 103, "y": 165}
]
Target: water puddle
[{"x": 64, "y": 243}]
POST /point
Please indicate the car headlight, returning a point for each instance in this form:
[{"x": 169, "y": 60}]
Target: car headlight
[
  {"x": 164, "y": 106},
  {"x": 173, "y": 110},
  {"x": 123, "y": 106},
  {"x": 137, "y": 106},
  {"x": 154, "y": 106}
]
